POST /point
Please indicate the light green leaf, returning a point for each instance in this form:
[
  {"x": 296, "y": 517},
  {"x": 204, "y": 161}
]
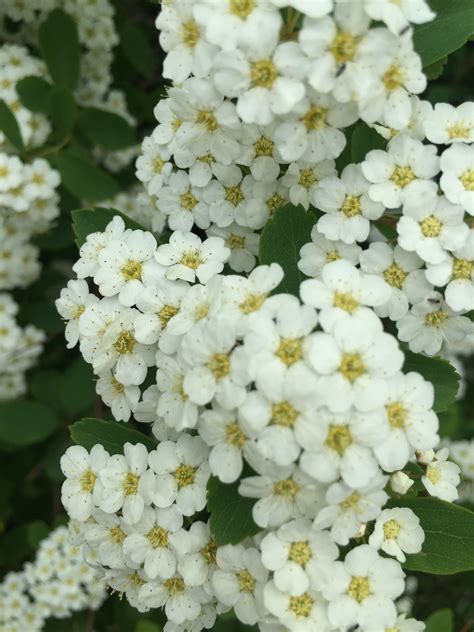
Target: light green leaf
[
  {"x": 106, "y": 129},
  {"x": 440, "y": 373},
  {"x": 137, "y": 49},
  {"x": 59, "y": 46},
  {"x": 449, "y": 536},
  {"x": 26, "y": 422},
  {"x": 111, "y": 434},
  {"x": 452, "y": 27},
  {"x": 83, "y": 178},
  {"x": 231, "y": 514},
  {"x": 281, "y": 241},
  {"x": 9, "y": 126},
  {"x": 363, "y": 140},
  {"x": 34, "y": 93},
  {"x": 94, "y": 220},
  {"x": 440, "y": 621}
]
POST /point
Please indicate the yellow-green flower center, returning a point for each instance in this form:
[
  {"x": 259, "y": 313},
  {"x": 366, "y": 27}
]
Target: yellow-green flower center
[
  {"x": 235, "y": 242},
  {"x": 158, "y": 537},
  {"x": 130, "y": 483},
  {"x": 352, "y": 366},
  {"x": 391, "y": 529},
  {"x": 125, "y": 343},
  {"x": 235, "y": 436},
  {"x": 467, "y": 180},
  {"x": 435, "y": 319},
  {"x": 339, "y": 438},
  {"x": 393, "y": 78},
  {"x": 184, "y": 475},
  {"x": 263, "y": 146},
  {"x": 88, "y": 480},
  {"x": 396, "y": 414},
  {"x": 462, "y": 268},
  {"x": 395, "y": 276},
  {"x": 300, "y": 552},
  {"x": 219, "y": 365},
  {"x": 263, "y": 73},
  {"x": 166, "y": 313},
  {"x": 132, "y": 270},
  {"x": 206, "y": 119},
  {"x": 359, "y": 588},
  {"x": 190, "y": 33},
  {"x": 402, "y": 176},
  {"x": 301, "y": 606},
  {"x": 287, "y": 488},
  {"x": 241, "y": 8},
  {"x": 188, "y": 200},
  {"x": 459, "y": 130},
  {"x": 246, "y": 581},
  {"x": 284, "y": 414},
  {"x": 290, "y": 350},
  {"x": 431, "y": 226},
  {"x": 234, "y": 195},
  {"x": 345, "y": 301},
  {"x": 351, "y": 206},
  {"x": 315, "y": 118},
  {"x": 343, "y": 47},
  {"x": 191, "y": 259}
]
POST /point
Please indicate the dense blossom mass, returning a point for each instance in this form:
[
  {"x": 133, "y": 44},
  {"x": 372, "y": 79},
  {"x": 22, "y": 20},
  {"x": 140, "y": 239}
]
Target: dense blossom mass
[{"x": 303, "y": 402}]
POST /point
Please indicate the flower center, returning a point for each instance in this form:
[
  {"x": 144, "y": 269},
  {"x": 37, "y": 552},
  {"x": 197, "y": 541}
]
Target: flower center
[
  {"x": 343, "y": 47},
  {"x": 209, "y": 552},
  {"x": 131, "y": 270},
  {"x": 459, "y": 130},
  {"x": 435, "y": 319},
  {"x": 333, "y": 255},
  {"x": 263, "y": 147},
  {"x": 307, "y": 178},
  {"x": 359, "y": 588},
  {"x": 158, "y": 537},
  {"x": 391, "y": 529},
  {"x": 246, "y": 581},
  {"x": 393, "y": 78},
  {"x": 191, "y": 259},
  {"x": 235, "y": 436},
  {"x": 351, "y": 206},
  {"x": 467, "y": 180},
  {"x": 235, "y": 242},
  {"x": 352, "y": 366},
  {"x": 201, "y": 311},
  {"x": 88, "y": 480},
  {"x": 462, "y": 268},
  {"x": 395, "y": 276},
  {"x": 234, "y": 195},
  {"x": 116, "y": 387},
  {"x": 351, "y": 501},
  {"x": 300, "y": 552},
  {"x": 187, "y": 200},
  {"x": 130, "y": 483},
  {"x": 290, "y": 350},
  {"x": 190, "y": 33},
  {"x": 219, "y": 365},
  {"x": 174, "y": 586},
  {"x": 178, "y": 387},
  {"x": 315, "y": 118},
  {"x": 263, "y": 73},
  {"x": 241, "y": 8},
  {"x": 166, "y": 313},
  {"x": 339, "y": 438},
  {"x": 402, "y": 176},
  {"x": 117, "y": 535},
  {"x": 396, "y": 415},
  {"x": 78, "y": 311},
  {"x": 431, "y": 226},
  {"x": 287, "y": 488},
  {"x": 345, "y": 301},
  {"x": 302, "y": 605},
  {"x": 433, "y": 474},
  {"x": 206, "y": 119},
  {"x": 275, "y": 202},
  {"x": 157, "y": 164},
  {"x": 184, "y": 475},
  {"x": 125, "y": 343},
  {"x": 283, "y": 414}
]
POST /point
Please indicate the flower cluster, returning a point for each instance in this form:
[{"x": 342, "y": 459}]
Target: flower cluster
[
  {"x": 308, "y": 396},
  {"x": 19, "y": 349},
  {"x": 462, "y": 452},
  {"x": 56, "y": 584}
]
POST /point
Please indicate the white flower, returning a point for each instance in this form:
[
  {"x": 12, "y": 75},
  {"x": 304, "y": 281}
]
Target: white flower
[
  {"x": 266, "y": 81},
  {"x": 457, "y": 273},
  {"x": 305, "y": 612},
  {"x": 296, "y": 553},
  {"x": 151, "y": 544},
  {"x": 267, "y": 198},
  {"x": 182, "y": 471},
  {"x": 401, "y": 270},
  {"x": 11, "y": 172},
  {"x": 82, "y": 490},
  {"x": 431, "y": 323},
  {"x": 183, "y": 204},
  {"x": 105, "y": 534},
  {"x": 153, "y": 166},
  {"x": 88, "y": 262},
  {"x": 442, "y": 477},
  {"x": 400, "y": 483},
  {"x": 259, "y": 151},
  {"x": 457, "y": 179},
  {"x": 320, "y": 251},
  {"x": 447, "y": 124},
  {"x": 354, "y": 363},
  {"x": 396, "y": 171},
  {"x": 362, "y": 589},
  {"x": 347, "y": 509},
  {"x": 340, "y": 446},
  {"x": 409, "y": 422},
  {"x": 430, "y": 225},
  {"x": 200, "y": 302},
  {"x": 307, "y": 7},
  {"x": 229, "y": 196},
  {"x": 347, "y": 206},
  {"x": 173, "y": 403},
  {"x": 196, "y": 555},
  {"x": 71, "y": 305},
  {"x": 120, "y": 398},
  {"x": 146, "y": 412},
  {"x": 397, "y": 16},
  {"x": 243, "y": 243},
  {"x": 128, "y": 483},
  {"x": 40, "y": 179},
  {"x": 343, "y": 292},
  {"x": 302, "y": 178},
  {"x": 187, "y": 257},
  {"x": 396, "y": 532},
  {"x": 181, "y": 602},
  {"x": 238, "y": 582}
]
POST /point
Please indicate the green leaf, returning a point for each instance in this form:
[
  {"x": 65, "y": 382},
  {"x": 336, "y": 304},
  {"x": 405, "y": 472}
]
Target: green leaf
[
  {"x": 137, "y": 49},
  {"x": 34, "y": 93},
  {"x": 9, "y": 126},
  {"x": 440, "y": 373},
  {"x": 434, "y": 71},
  {"x": 26, "y": 422},
  {"x": 83, "y": 178},
  {"x": 147, "y": 626},
  {"x": 452, "y": 27},
  {"x": 281, "y": 241},
  {"x": 449, "y": 536},
  {"x": 77, "y": 392},
  {"x": 62, "y": 110},
  {"x": 363, "y": 140},
  {"x": 37, "y": 531},
  {"x": 45, "y": 386},
  {"x": 106, "y": 129},
  {"x": 93, "y": 220},
  {"x": 59, "y": 46},
  {"x": 42, "y": 314},
  {"x": 111, "y": 434},
  {"x": 231, "y": 515},
  {"x": 440, "y": 621}
]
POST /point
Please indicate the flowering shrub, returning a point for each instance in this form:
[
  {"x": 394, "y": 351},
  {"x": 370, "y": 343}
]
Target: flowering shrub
[{"x": 277, "y": 319}]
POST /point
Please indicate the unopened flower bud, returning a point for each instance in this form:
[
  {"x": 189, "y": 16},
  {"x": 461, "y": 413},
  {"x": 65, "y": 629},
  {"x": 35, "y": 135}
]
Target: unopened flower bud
[
  {"x": 425, "y": 458},
  {"x": 400, "y": 482}
]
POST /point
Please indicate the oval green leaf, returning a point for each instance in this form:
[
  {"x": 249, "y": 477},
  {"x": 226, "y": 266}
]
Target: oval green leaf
[
  {"x": 106, "y": 129},
  {"x": 9, "y": 126},
  {"x": 111, "y": 434},
  {"x": 26, "y": 422},
  {"x": 59, "y": 46},
  {"x": 83, "y": 178}
]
